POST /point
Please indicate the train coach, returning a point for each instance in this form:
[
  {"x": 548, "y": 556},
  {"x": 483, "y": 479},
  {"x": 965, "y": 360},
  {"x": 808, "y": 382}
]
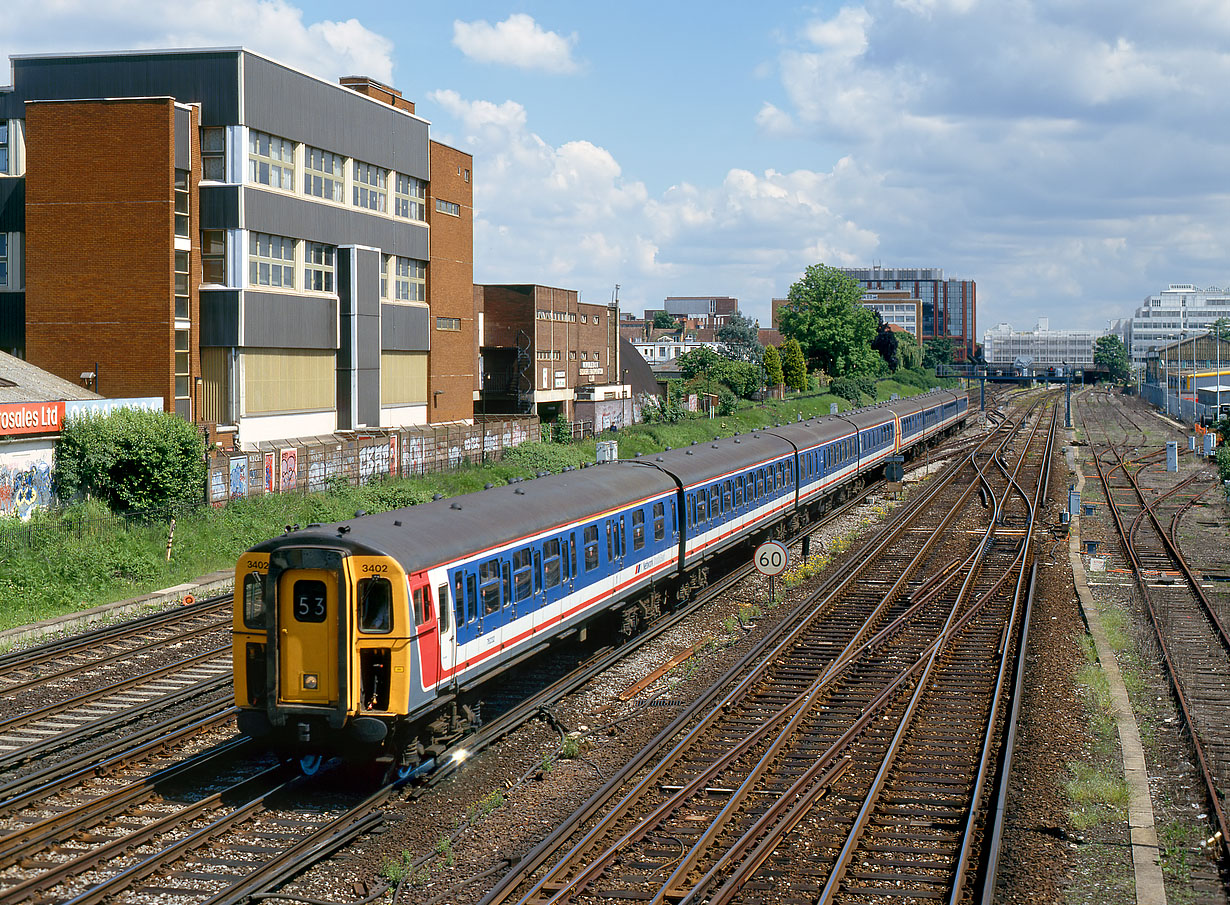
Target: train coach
[{"x": 374, "y": 637}]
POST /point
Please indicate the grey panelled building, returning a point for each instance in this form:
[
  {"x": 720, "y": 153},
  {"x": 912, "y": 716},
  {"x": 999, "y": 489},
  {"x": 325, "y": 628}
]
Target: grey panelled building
[{"x": 297, "y": 253}]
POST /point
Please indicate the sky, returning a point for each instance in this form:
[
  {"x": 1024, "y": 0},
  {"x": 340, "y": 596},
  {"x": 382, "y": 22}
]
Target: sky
[{"x": 1069, "y": 157}]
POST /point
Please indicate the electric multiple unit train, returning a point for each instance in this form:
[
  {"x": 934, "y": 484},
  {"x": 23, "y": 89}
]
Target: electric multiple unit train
[{"x": 371, "y": 638}]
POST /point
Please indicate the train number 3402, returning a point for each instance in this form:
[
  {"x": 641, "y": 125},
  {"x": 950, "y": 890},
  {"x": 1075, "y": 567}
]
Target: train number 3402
[{"x": 375, "y": 567}]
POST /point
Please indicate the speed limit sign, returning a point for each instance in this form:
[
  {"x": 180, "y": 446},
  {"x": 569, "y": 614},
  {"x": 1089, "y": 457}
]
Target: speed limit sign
[{"x": 771, "y": 558}]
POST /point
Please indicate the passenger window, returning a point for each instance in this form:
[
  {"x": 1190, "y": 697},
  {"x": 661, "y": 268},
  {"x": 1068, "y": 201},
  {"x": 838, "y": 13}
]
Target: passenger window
[
  {"x": 472, "y": 596},
  {"x": 375, "y": 605},
  {"x": 551, "y": 563},
  {"x": 591, "y": 548},
  {"x": 459, "y": 597},
  {"x": 572, "y": 554},
  {"x": 659, "y": 521},
  {"x": 522, "y": 581},
  {"x": 442, "y": 606},
  {"x": 638, "y": 529},
  {"x": 507, "y": 572},
  {"x": 489, "y": 585},
  {"x": 701, "y": 502},
  {"x": 738, "y": 492},
  {"x": 611, "y": 544},
  {"x": 254, "y": 600},
  {"x": 715, "y": 502}
]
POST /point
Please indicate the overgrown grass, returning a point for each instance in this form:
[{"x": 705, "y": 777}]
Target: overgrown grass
[
  {"x": 1098, "y": 796},
  {"x": 64, "y": 573}
]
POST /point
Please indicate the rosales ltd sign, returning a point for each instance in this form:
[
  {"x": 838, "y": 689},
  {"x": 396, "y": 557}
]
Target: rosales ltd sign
[{"x": 31, "y": 417}]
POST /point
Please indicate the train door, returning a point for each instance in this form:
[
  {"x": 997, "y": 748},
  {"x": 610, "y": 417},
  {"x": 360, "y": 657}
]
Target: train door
[
  {"x": 307, "y": 636},
  {"x": 424, "y": 630},
  {"x": 447, "y": 622}
]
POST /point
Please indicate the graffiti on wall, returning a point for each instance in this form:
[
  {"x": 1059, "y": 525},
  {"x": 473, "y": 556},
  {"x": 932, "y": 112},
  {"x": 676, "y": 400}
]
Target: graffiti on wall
[
  {"x": 269, "y": 472},
  {"x": 25, "y": 485},
  {"x": 239, "y": 477},
  {"x": 290, "y": 469}
]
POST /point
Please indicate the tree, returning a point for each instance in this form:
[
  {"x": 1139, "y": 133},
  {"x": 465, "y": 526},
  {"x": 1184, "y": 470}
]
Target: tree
[
  {"x": 937, "y": 352},
  {"x": 909, "y": 352},
  {"x": 131, "y": 459},
  {"x": 823, "y": 313},
  {"x": 664, "y": 321},
  {"x": 1110, "y": 356},
  {"x": 794, "y": 368},
  {"x": 886, "y": 343},
  {"x": 701, "y": 361},
  {"x": 773, "y": 366},
  {"x": 740, "y": 337}
]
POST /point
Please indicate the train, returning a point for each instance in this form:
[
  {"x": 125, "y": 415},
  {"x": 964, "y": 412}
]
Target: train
[{"x": 375, "y": 637}]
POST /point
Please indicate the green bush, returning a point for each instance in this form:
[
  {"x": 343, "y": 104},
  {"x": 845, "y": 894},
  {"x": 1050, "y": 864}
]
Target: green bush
[
  {"x": 1222, "y": 458},
  {"x": 853, "y": 388},
  {"x": 131, "y": 459}
]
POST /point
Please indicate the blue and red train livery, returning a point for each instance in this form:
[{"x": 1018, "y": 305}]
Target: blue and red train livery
[{"x": 372, "y": 637}]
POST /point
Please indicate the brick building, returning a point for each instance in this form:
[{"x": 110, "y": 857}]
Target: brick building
[
  {"x": 265, "y": 250},
  {"x": 541, "y": 349}
]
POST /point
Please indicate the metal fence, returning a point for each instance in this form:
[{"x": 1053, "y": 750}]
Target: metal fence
[
  {"x": 317, "y": 464},
  {"x": 298, "y": 467}
]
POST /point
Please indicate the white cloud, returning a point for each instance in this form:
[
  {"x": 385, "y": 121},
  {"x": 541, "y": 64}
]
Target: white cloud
[
  {"x": 569, "y": 215},
  {"x": 1051, "y": 152},
  {"x": 272, "y": 27},
  {"x": 517, "y": 41}
]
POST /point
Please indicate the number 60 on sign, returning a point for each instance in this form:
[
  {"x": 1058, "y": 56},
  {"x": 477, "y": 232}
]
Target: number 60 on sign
[{"x": 771, "y": 558}]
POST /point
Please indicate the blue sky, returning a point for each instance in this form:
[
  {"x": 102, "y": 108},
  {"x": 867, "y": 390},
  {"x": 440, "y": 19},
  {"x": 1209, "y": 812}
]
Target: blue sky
[{"x": 1071, "y": 158}]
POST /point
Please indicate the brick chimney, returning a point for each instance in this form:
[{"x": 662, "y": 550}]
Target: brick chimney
[{"x": 377, "y": 91}]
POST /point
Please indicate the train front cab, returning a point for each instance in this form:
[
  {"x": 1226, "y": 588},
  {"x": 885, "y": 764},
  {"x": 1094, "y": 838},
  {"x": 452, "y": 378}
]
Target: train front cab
[{"x": 326, "y": 649}]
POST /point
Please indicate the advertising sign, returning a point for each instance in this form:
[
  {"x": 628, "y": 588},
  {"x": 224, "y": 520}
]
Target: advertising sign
[{"x": 31, "y": 417}]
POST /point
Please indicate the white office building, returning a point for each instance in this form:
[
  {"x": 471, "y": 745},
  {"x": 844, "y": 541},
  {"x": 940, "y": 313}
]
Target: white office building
[
  {"x": 1042, "y": 346},
  {"x": 1179, "y": 311}
]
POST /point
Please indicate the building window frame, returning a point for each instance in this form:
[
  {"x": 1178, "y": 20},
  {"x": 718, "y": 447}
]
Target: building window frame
[
  {"x": 452, "y": 208},
  {"x": 213, "y": 153},
  {"x": 213, "y": 257},
  {"x": 4, "y": 147},
  {"x": 182, "y": 219},
  {"x": 324, "y": 175},
  {"x": 271, "y": 161},
  {"x": 371, "y": 187},
  {"x": 410, "y": 197},
  {"x": 182, "y": 311},
  {"x": 4, "y": 259},
  {"x": 319, "y": 267},
  {"x": 271, "y": 261},
  {"x": 449, "y": 324}
]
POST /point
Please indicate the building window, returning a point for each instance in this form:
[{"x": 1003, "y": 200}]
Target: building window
[
  {"x": 323, "y": 175},
  {"x": 213, "y": 153},
  {"x": 467, "y": 175},
  {"x": 410, "y": 197},
  {"x": 318, "y": 265},
  {"x": 181, "y": 285},
  {"x": 572, "y": 355},
  {"x": 4, "y": 259},
  {"x": 4, "y": 145},
  {"x": 452, "y": 324},
  {"x": 271, "y": 161},
  {"x": 271, "y": 260},
  {"x": 584, "y": 319},
  {"x": 448, "y": 207},
  {"x": 183, "y": 405},
  {"x": 371, "y": 188},
  {"x": 213, "y": 257},
  {"x": 407, "y": 278},
  {"x": 181, "y": 203}
]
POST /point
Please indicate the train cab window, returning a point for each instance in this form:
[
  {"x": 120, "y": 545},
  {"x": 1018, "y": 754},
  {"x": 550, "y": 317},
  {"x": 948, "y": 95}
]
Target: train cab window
[
  {"x": 591, "y": 547},
  {"x": 638, "y": 529},
  {"x": 489, "y": 585},
  {"x": 659, "y": 521},
  {"x": 551, "y": 572},
  {"x": 254, "y": 600},
  {"x": 442, "y": 606},
  {"x": 523, "y": 584},
  {"x": 376, "y": 605},
  {"x": 311, "y": 601}
]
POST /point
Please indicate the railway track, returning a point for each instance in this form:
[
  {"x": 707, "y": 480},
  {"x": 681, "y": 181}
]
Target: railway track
[
  {"x": 852, "y": 753},
  {"x": 120, "y": 823},
  {"x": 1191, "y": 636}
]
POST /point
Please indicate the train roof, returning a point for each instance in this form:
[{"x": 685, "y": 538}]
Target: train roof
[
  {"x": 444, "y": 530},
  {"x": 703, "y": 462}
]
